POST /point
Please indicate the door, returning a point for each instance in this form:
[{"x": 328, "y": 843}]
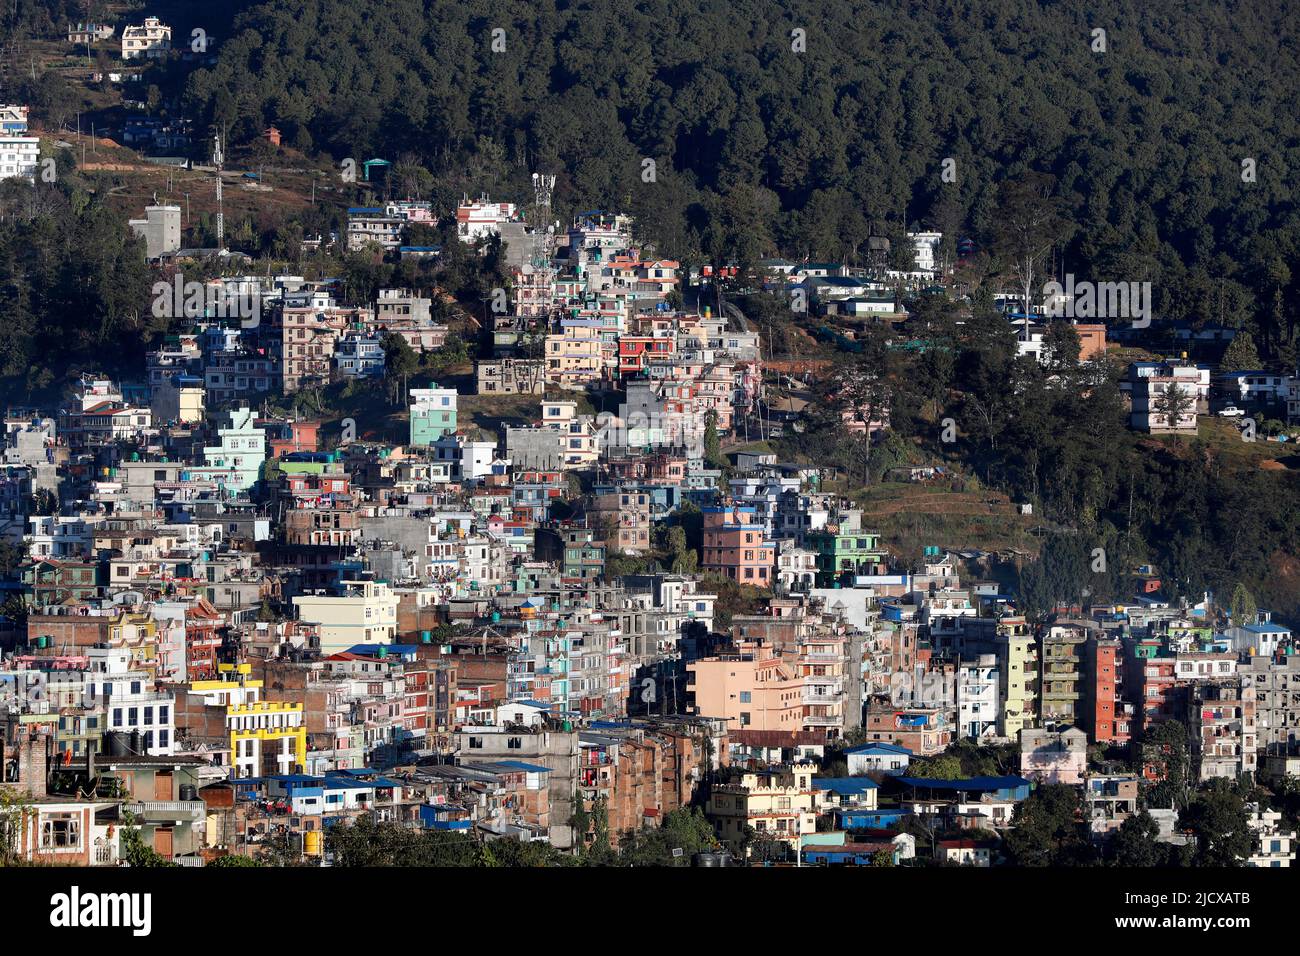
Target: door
[
  {"x": 162, "y": 842},
  {"x": 162, "y": 786}
]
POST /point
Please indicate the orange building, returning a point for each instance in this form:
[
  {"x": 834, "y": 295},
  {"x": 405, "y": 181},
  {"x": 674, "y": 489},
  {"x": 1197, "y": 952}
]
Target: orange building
[{"x": 751, "y": 688}]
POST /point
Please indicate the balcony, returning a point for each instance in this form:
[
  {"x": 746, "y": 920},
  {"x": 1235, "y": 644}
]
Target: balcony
[
  {"x": 821, "y": 721},
  {"x": 167, "y": 811},
  {"x": 832, "y": 698}
]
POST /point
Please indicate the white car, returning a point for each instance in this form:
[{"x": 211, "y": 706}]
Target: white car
[{"x": 1231, "y": 411}]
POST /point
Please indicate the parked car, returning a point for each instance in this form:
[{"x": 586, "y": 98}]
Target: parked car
[{"x": 1231, "y": 411}]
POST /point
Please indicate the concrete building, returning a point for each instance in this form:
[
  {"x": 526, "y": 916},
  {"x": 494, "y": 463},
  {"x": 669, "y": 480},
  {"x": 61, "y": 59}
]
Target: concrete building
[
  {"x": 750, "y": 687},
  {"x": 1277, "y": 702},
  {"x": 150, "y": 41},
  {"x": 160, "y": 228},
  {"x": 780, "y": 804},
  {"x": 1104, "y": 713},
  {"x": 1051, "y": 756},
  {"x": 735, "y": 545},
  {"x": 1274, "y": 846},
  {"x": 1061, "y": 660},
  {"x": 1221, "y": 724},
  {"x": 977, "y": 697},
  {"x": 365, "y": 613},
  {"x": 235, "y": 463},
  {"x": 433, "y": 414},
  {"x": 19, "y": 153}
]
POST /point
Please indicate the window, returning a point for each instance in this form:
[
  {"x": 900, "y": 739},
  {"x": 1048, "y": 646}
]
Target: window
[
  {"x": 745, "y": 697},
  {"x": 61, "y": 831},
  {"x": 476, "y": 743}
]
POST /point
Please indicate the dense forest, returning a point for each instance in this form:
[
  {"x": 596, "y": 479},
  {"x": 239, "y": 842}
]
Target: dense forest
[{"x": 760, "y": 149}]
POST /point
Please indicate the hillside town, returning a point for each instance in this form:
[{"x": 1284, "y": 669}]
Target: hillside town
[{"x": 501, "y": 532}]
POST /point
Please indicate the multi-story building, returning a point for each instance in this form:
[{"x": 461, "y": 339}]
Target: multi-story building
[
  {"x": 266, "y": 737},
  {"x": 364, "y": 613},
  {"x": 735, "y": 545},
  {"x": 977, "y": 697},
  {"x": 1106, "y": 715},
  {"x": 372, "y": 225},
  {"x": 150, "y": 41},
  {"x": 160, "y": 228},
  {"x": 433, "y": 414},
  {"x": 481, "y": 218},
  {"x": 844, "y": 550},
  {"x": 1060, "y": 675},
  {"x": 750, "y": 687},
  {"x": 1277, "y": 702},
  {"x": 924, "y": 731},
  {"x": 1054, "y": 756},
  {"x": 1153, "y": 384},
  {"x": 779, "y": 804},
  {"x": 359, "y": 355},
  {"x": 1274, "y": 846},
  {"x": 1010, "y": 640},
  {"x": 1221, "y": 724},
  {"x": 19, "y": 153},
  {"x": 510, "y": 376}
]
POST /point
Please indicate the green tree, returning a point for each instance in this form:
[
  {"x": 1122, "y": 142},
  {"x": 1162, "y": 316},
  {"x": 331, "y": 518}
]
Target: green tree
[
  {"x": 1217, "y": 818},
  {"x": 1240, "y": 355},
  {"x": 1244, "y": 610},
  {"x": 1135, "y": 842},
  {"x": 1047, "y": 829}
]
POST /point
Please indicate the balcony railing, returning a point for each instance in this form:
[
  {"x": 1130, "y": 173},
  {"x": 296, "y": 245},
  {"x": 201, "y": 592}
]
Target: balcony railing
[{"x": 162, "y": 810}]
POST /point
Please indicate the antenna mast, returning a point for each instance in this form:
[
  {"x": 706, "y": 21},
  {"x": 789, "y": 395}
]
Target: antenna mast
[
  {"x": 218, "y": 160},
  {"x": 543, "y": 232}
]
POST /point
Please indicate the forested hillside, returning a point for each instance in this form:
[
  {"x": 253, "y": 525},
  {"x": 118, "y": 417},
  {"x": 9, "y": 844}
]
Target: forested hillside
[{"x": 761, "y": 150}]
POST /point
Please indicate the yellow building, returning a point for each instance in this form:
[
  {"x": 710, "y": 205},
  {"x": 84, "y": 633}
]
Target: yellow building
[
  {"x": 1018, "y": 670},
  {"x": 366, "y": 613},
  {"x": 137, "y": 633},
  {"x": 574, "y": 357},
  {"x": 267, "y": 737},
  {"x": 779, "y": 803}
]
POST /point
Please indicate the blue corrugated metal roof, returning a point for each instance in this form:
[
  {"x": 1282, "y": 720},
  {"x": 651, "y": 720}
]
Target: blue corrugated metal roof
[
  {"x": 844, "y": 784},
  {"x": 878, "y": 748}
]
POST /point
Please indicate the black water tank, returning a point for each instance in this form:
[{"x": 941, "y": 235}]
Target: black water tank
[{"x": 189, "y": 791}]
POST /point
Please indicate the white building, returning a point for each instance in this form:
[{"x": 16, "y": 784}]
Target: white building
[
  {"x": 926, "y": 249},
  {"x": 150, "y": 41},
  {"x": 1150, "y": 382},
  {"x": 129, "y": 701},
  {"x": 237, "y": 461},
  {"x": 1274, "y": 846},
  {"x": 20, "y": 154},
  {"x": 475, "y": 220},
  {"x": 466, "y": 459},
  {"x": 59, "y": 536},
  {"x": 977, "y": 697}
]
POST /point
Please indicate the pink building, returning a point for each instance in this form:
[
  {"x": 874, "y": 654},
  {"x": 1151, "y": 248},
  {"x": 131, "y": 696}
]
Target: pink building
[{"x": 735, "y": 545}]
